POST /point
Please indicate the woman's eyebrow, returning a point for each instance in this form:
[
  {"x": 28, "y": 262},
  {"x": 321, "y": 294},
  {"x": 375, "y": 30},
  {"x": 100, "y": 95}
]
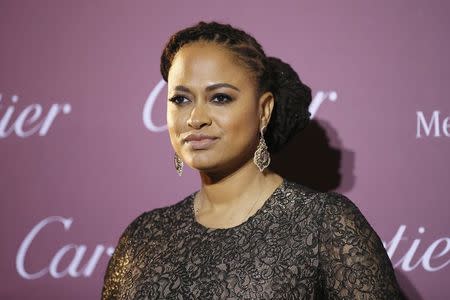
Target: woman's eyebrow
[
  {"x": 219, "y": 85},
  {"x": 182, "y": 88}
]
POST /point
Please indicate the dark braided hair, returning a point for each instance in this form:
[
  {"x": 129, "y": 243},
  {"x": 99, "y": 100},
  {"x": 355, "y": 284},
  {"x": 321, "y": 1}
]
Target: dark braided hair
[{"x": 292, "y": 98}]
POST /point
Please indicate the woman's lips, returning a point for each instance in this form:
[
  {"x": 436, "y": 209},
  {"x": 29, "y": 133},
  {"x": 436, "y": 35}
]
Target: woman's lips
[
  {"x": 200, "y": 141},
  {"x": 201, "y": 144}
]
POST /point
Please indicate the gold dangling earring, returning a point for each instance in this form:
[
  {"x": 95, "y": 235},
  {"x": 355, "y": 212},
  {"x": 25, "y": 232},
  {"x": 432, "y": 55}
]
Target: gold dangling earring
[
  {"x": 178, "y": 164},
  {"x": 262, "y": 155}
]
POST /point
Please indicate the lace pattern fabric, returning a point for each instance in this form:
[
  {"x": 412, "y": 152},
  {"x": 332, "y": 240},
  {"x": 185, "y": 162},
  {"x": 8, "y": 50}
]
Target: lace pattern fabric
[{"x": 301, "y": 244}]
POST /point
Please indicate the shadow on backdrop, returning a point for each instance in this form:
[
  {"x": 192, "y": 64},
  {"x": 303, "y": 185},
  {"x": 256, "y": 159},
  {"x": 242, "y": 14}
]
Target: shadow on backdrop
[
  {"x": 409, "y": 292},
  {"x": 317, "y": 158}
]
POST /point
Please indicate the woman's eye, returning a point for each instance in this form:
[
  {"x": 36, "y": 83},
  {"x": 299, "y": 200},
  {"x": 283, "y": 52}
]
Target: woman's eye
[
  {"x": 221, "y": 98},
  {"x": 178, "y": 99}
]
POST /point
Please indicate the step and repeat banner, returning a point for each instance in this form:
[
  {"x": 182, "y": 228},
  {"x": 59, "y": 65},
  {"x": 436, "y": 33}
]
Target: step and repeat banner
[{"x": 84, "y": 147}]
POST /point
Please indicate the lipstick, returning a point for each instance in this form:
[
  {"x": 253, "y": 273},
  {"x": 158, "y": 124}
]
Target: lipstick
[{"x": 200, "y": 141}]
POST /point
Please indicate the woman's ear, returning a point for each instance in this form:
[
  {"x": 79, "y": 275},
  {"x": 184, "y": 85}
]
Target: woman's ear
[{"x": 266, "y": 103}]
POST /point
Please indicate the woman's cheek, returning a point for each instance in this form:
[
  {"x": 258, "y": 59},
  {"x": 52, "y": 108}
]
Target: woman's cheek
[
  {"x": 173, "y": 119},
  {"x": 243, "y": 122},
  {"x": 174, "y": 132}
]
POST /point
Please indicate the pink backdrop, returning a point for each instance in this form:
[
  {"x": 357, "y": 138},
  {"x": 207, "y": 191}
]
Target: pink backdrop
[{"x": 84, "y": 148}]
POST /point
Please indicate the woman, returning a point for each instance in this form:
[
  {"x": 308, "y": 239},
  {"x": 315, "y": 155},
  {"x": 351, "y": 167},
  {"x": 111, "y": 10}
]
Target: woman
[{"x": 247, "y": 233}]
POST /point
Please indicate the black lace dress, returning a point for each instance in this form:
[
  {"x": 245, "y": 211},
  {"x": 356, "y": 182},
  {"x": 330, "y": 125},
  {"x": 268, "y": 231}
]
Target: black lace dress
[{"x": 301, "y": 244}]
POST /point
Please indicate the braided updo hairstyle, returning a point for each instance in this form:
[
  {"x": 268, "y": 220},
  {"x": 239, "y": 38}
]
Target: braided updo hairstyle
[{"x": 292, "y": 98}]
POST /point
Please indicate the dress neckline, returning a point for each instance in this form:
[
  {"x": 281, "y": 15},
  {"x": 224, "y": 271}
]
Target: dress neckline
[{"x": 260, "y": 211}]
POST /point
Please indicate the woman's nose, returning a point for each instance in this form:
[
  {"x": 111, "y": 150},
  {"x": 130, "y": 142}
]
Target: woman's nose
[{"x": 199, "y": 117}]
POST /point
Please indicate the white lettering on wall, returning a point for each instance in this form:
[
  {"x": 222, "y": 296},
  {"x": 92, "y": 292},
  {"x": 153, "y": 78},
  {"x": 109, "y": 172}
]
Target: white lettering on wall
[
  {"x": 316, "y": 102},
  {"x": 319, "y": 98},
  {"x": 148, "y": 108},
  {"x": 73, "y": 270},
  {"x": 433, "y": 123},
  {"x": 434, "y": 258},
  {"x": 32, "y": 115},
  {"x": 406, "y": 262}
]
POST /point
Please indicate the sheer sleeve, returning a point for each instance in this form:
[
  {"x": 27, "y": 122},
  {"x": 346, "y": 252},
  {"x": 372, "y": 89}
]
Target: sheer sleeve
[
  {"x": 353, "y": 261},
  {"x": 119, "y": 265}
]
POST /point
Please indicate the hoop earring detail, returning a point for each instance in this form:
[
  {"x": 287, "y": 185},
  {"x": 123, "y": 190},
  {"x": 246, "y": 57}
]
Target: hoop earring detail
[
  {"x": 178, "y": 164},
  {"x": 262, "y": 155}
]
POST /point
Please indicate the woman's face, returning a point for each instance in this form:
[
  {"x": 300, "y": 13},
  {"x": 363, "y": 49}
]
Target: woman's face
[{"x": 213, "y": 114}]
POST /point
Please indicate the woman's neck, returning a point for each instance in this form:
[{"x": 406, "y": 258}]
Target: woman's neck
[{"x": 231, "y": 191}]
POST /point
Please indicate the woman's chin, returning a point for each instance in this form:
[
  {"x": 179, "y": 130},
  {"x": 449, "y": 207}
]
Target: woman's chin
[
  {"x": 203, "y": 166},
  {"x": 206, "y": 164}
]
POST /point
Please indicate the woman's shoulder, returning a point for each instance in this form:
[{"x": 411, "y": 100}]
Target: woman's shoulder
[
  {"x": 159, "y": 217},
  {"x": 326, "y": 204},
  {"x": 348, "y": 241},
  {"x": 337, "y": 215},
  {"x": 163, "y": 212}
]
